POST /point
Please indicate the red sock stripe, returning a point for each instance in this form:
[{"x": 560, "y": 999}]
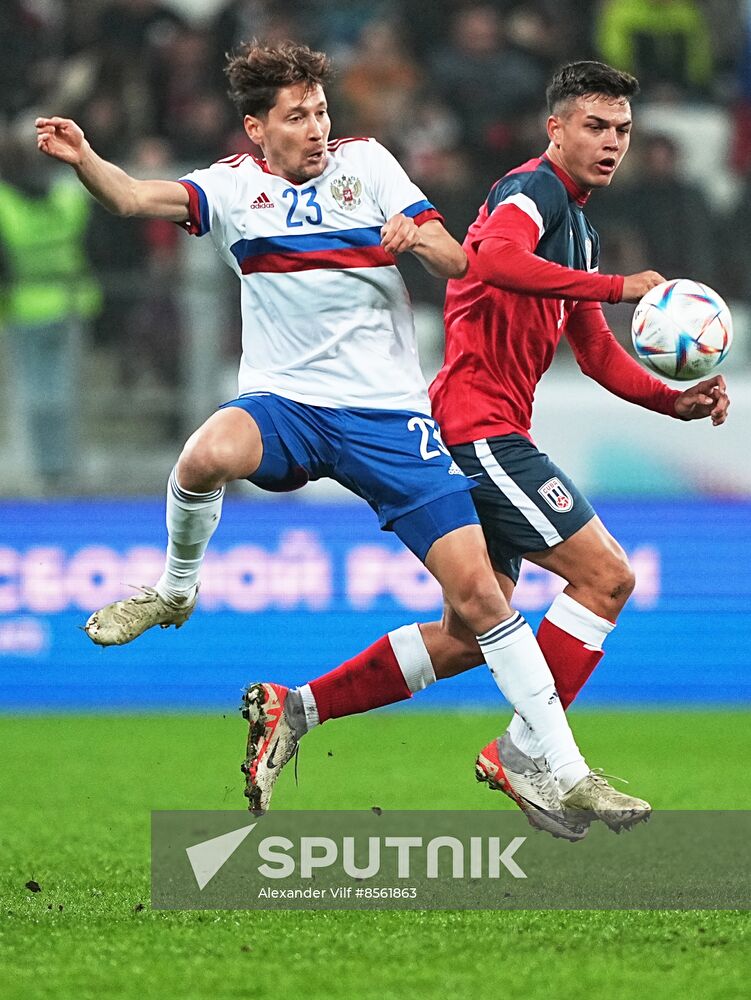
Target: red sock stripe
[
  {"x": 570, "y": 662},
  {"x": 369, "y": 680}
]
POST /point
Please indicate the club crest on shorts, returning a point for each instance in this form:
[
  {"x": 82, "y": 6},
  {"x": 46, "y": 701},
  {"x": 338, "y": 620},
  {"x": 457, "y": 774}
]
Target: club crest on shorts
[
  {"x": 555, "y": 495},
  {"x": 347, "y": 191}
]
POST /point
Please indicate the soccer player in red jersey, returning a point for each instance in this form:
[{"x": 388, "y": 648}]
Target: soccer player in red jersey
[{"x": 533, "y": 278}]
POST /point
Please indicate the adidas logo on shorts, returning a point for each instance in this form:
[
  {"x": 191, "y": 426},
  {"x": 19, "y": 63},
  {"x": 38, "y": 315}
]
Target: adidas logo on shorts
[
  {"x": 262, "y": 201},
  {"x": 454, "y": 470}
]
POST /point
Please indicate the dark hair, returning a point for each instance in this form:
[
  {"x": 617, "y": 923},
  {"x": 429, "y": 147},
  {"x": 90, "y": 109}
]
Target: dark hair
[
  {"x": 256, "y": 72},
  {"x": 581, "y": 79}
]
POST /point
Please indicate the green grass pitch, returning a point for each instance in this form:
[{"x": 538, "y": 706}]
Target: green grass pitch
[{"x": 76, "y": 795}]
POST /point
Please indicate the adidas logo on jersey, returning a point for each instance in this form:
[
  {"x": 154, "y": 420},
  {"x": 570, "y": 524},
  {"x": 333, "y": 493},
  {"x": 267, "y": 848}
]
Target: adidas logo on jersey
[{"x": 262, "y": 201}]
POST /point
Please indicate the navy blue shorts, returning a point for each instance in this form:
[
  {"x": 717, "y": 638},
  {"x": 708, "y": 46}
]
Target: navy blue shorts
[
  {"x": 395, "y": 460},
  {"x": 525, "y": 503}
]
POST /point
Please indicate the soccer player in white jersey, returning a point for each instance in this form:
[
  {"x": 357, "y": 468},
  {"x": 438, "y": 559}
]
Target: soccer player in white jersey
[{"x": 329, "y": 385}]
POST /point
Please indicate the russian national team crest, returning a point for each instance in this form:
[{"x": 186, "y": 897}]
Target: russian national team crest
[
  {"x": 348, "y": 192},
  {"x": 555, "y": 495}
]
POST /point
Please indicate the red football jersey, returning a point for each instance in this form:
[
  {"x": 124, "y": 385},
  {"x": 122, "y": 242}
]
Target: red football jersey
[{"x": 532, "y": 277}]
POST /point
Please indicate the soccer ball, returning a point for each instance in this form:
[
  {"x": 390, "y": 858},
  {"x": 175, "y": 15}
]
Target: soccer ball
[{"x": 682, "y": 329}]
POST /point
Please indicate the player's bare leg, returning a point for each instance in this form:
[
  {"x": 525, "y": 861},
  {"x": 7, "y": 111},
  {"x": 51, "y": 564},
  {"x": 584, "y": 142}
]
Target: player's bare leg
[
  {"x": 595, "y": 567},
  {"x": 227, "y": 446}
]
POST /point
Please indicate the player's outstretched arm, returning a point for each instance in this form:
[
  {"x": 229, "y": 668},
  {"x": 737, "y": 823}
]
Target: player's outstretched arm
[
  {"x": 708, "y": 398},
  {"x": 120, "y": 193},
  {"x": 505, "y": 257},
  {"x": 435, "y": 248}
]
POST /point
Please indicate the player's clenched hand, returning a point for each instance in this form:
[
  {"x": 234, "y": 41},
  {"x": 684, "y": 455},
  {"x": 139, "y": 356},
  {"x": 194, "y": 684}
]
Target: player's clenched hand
[
  {"x": 636, "y": 285},
  {"x": 400, "y": 234},
  {"x": 706, "y": 399},
  {"x": 61, "y": 138}
]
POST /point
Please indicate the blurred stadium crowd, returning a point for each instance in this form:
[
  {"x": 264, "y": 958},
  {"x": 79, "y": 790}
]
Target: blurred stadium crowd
[{"x": 90, "y": 304}]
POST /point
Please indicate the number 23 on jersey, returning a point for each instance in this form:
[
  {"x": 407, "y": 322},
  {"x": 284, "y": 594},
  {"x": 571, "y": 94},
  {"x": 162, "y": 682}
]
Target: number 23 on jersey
[{"x": 303, "y": 207}]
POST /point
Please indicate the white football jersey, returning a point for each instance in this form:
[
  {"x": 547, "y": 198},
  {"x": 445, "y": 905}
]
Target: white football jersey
[{"x": 326, "y": 317}]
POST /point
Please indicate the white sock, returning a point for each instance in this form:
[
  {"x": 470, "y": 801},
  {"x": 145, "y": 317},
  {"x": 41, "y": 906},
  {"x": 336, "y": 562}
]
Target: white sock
[
  {"x": 309, "y": 707},
  {"x": 569, "y": 616},
  {"x": 520, "y": 671},
  {"x": 412, "y": 656},
  {"x": 523, "y": 736},
  {"x": 192, "y": 518}
]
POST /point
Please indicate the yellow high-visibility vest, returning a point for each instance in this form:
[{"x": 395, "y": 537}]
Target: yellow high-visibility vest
[{"x": 43, "y": 244}]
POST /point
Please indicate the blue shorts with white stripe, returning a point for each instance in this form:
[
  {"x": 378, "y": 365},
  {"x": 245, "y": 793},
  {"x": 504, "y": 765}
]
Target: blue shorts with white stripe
[{"x": 525, "y": 502}]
